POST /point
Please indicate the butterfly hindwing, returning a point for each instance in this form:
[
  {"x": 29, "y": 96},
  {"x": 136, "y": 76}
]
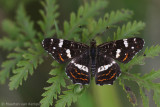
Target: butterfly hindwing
[
  {"x": 78, "y": 69},
  {"x": 107, "y": 70},
  {"x": 122, "y": 50},
  {"x": 63, "y": 50}
]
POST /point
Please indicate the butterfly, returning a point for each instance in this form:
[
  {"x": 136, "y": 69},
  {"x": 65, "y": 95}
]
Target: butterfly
[{"x": 93, "y": 61}]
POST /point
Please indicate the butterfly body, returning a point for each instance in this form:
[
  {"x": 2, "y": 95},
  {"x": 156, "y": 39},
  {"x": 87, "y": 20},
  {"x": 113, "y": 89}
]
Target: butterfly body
[
  {"x": 93, "y": 61},
  {"x": 93, "y": 56}
]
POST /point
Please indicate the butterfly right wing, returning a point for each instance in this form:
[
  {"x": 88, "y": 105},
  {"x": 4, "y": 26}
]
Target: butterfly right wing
[
  {"x": 78, "y": 69},
  {"x": 63, "y": 50},
  {"x": 122, "y": 50},
  {"x": 107, "y": 70}
]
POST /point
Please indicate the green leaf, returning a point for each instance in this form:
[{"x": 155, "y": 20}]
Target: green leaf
[
  {"x": 152, "y": 51},
  {"x": 71, "y": 29},
  {"x": 49, "y": 15},
  {"x": 70, "y": 96},
  {"x": 156, "y": 97},
  {"x": 145, "y": 82},
  {"x": 8, "y": 44},
  {"x": 115, "y": 17},
  {"x": 20, "y": 74},
  {"x": 152, "y": 75},
  {"x": 10, "y": 28},
  {"x": 30, "y": 61},
  {"x": 57, "y": 81},
  {"x": 8, "y": 65},
  {"x": 130, "y": 95},
  {"x": 144, "y": 98},
  {"x": 129, "y": 30},
  {"x": 26, "y": 26},
  {"x": 108, "y": 20}
]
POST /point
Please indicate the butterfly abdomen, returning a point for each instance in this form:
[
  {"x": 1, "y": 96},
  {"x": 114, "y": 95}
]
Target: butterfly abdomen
[
  {"x": 93, "y": 56},
  {"x": 93, "y": 60}
]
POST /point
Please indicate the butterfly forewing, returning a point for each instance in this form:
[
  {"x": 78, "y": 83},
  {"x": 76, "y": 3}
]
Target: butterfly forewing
[
  {"x": 122, "y": 50},
  {"x": 107, "y": 70},
  {"x": 78, "y": 69},
  {"x": 63, "y": 50}
]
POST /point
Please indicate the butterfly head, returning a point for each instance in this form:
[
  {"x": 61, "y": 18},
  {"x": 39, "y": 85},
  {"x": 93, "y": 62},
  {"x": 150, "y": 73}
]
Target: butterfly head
[{"x": 93, "y": 43}]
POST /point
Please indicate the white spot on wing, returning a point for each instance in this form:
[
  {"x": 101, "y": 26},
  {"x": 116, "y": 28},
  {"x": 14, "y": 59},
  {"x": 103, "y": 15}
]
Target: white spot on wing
[
  {"x": 51, "y": 41},
  {"x": 135, "y": 40},
  {"x": 53, "y": 57},
  {"x": 81, "y": 67},
  {"x": 118, "y": 53},
  {"x": 54, "y": 47},
  {"x": 68, "y": 53},
  {"x": 72, "y": 61},
  {"x": 43, "y": 43},
  {"x": 60, "y": 43},
  {"x": 105, "y": 67},
  {"x": 125, "y": 42},
  {"x": 132, "y": 47}
]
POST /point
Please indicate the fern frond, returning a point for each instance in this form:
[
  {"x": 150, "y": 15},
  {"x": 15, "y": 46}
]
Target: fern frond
[
  {"x": 25, "y": 25},
  {"x": 20, "y": 74},
  {"x": 57, "y": 81},
  {"x": 119, "y": 15},
  {"x": 145, "y": 82},
  {"x": 130, "y": 94},
  {"x": 156, "y": 96},
  {"x": 152, "y": 51},
  {"x": 9, "y": 65},
  {"x": 129, "y": 30},
  {"x": 108, "y": 20},
  {"x": 49, "y": 15},
  {"x": 8, "y": 44},
  {"x": 27, "y": 65},
  {"x": 85, "y": 12},
  {"x": 145, "y": 99},
  {"x": 69, "y": 96},
  {"x": 24, "y": 31},
  {"x": 152, "y": 75},
  {"x": 10, "y": 28}
]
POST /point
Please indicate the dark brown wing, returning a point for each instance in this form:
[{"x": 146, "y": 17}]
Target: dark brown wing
[
  {"x": 63, "y": 50},
  {"x": 122, "y": 50}
]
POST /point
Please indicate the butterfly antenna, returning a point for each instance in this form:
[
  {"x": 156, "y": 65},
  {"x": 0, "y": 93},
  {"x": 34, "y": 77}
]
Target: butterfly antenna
[
  {"x": 97, "y": 35},
  {"x": 102, "y": 33}
]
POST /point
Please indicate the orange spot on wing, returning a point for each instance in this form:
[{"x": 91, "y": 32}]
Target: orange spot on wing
[
  {"x": 108, "y": 78},
  {"x": 80, "y": 73},
  {"x": 78, "y": 78},
  {"x": 61, "y": 57},
  {"x": 112, "y": 76},
  {"x": 106, "y": 74},
  {"x": 125, "y": 57}
]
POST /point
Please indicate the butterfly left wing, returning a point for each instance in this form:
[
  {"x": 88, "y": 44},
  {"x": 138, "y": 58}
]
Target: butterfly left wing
[
  {"x": 63, "y": 50},
  {"x": 78, "y": 69},
  {"x": 107, "y": 70},
  {"x": 122, "y": 50}
]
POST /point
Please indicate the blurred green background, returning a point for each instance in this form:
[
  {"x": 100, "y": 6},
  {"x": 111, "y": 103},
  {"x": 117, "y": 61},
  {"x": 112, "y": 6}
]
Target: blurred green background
[{"x": 147, "y": 11}]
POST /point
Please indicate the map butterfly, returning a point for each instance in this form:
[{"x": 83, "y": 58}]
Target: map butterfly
[{"x": 88, "y": 61}]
